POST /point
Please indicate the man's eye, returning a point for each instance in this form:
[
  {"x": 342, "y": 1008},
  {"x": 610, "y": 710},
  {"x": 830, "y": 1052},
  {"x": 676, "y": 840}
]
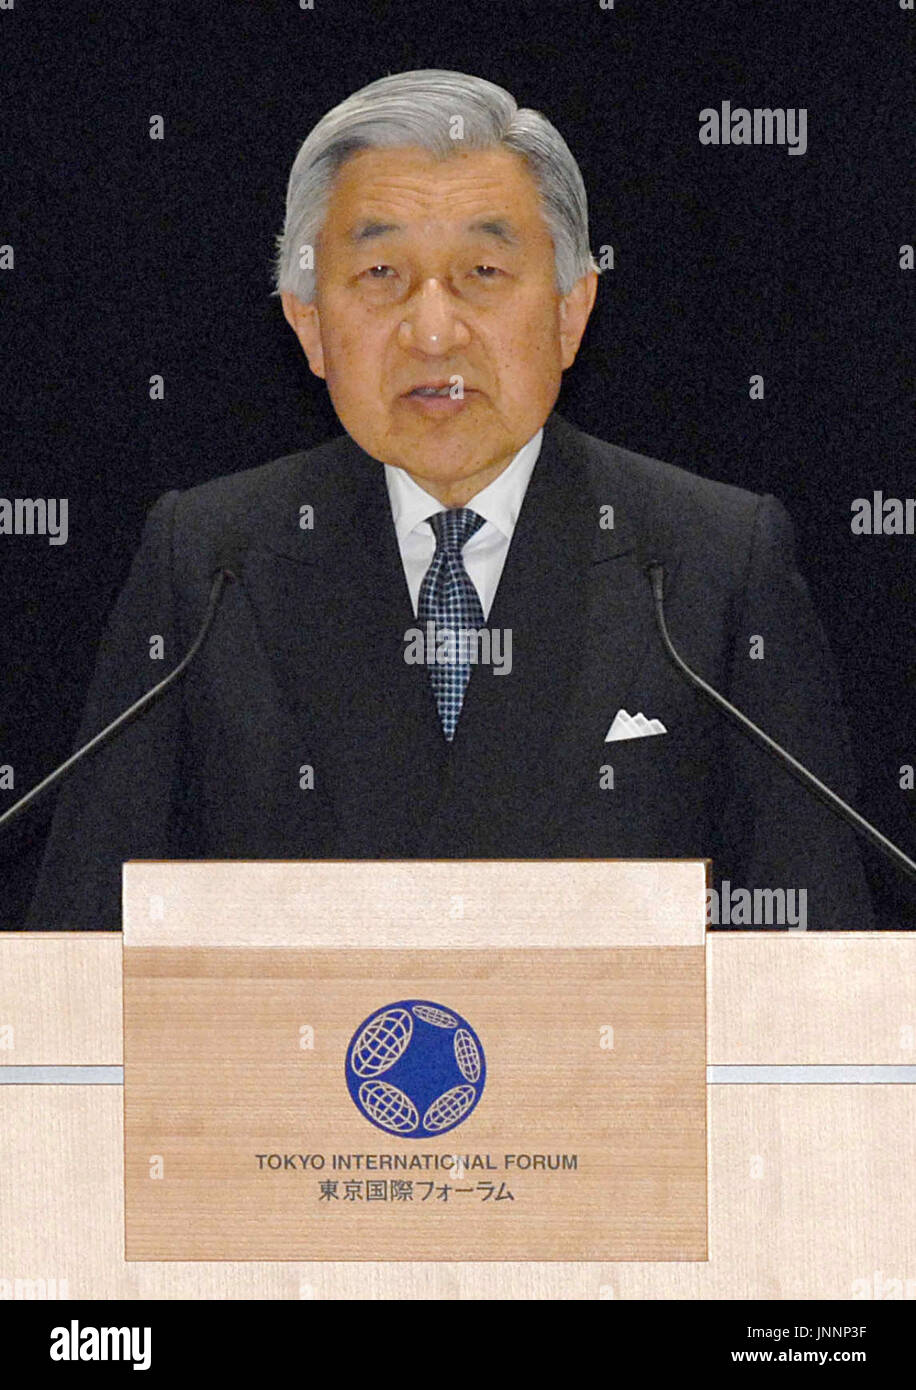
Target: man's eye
[
  {"x": 379, "y": 272},
  {"x": 488, "y": 272}
]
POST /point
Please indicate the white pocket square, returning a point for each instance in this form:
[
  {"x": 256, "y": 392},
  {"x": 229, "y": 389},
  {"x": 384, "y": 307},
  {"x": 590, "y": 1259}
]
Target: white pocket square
[{"x": 633, "y": 726}]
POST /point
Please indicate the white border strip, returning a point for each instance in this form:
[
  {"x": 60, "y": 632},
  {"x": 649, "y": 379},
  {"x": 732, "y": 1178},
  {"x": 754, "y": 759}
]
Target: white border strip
[
  {"x": 715, "y": 1076},
  {"x": 61, "y": 1076},
  {"x": 811, "y": 1076}
]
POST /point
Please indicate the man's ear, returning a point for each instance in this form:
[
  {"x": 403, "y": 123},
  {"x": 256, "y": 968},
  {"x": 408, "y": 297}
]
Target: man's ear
[
  {"x": 575, "y": 309},
  {"x": 303, "y": 320}
]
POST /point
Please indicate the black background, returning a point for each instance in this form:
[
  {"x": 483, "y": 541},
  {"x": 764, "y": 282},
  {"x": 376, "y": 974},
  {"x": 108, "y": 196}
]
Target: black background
[
  {"x": 136, "y": 257},
  {"x": 243, "y": 1340}
]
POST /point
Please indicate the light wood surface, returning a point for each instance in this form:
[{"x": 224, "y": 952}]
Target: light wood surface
[
  {"x": 445, "y": 904},
  {"x": 810, "y": 1186},
  {"x": 810, "y": 1197},
  {"x": 774, "y": 997},
  {"x": 60, "y": 999},
  {"x": 820, "y": 998},
  {"x": 595, "y": 1063},
  {"x": 226, "y": 962}
]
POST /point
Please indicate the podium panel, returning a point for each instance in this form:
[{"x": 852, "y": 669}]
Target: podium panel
[
  {"x": 812, "y": 1124},
  {"x": 415, "y": 1061}
]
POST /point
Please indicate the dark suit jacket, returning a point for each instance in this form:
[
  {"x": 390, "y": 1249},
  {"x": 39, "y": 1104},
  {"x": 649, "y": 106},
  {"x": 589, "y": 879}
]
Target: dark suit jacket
[{"x": 305, "y": 666}]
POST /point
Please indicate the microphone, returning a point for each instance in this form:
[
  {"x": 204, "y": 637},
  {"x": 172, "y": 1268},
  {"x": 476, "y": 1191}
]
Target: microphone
[
  {"x": 656, "y": 573},
  {"x": 222, "y": 577}
]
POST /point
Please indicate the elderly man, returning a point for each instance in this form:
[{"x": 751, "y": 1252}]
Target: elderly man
[{"x": 435, "y": 268}]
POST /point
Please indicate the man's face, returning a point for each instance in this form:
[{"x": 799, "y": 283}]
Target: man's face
[{"x": 429, "y": 270}]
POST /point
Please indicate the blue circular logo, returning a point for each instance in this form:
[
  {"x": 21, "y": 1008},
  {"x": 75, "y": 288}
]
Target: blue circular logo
[{"x": 415, "y": 1068}]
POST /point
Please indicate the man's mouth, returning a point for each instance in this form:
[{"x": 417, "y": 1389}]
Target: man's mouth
[
  {"x": 434, "y": 399},
  {"x": 431, "y": 388}
]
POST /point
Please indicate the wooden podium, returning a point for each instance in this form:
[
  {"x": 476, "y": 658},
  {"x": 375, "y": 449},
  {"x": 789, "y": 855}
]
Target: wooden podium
[
  {"x": 436, "y": 1060},
  {"x": 809, "y": 1039}
]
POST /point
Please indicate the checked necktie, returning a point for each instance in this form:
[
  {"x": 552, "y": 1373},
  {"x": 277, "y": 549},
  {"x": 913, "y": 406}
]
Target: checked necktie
[{"x": 449, "y": 600}]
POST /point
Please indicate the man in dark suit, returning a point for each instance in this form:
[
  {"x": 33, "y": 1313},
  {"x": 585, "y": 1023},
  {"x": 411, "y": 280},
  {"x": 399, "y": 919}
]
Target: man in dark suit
[{"x": 440, "y": 283}]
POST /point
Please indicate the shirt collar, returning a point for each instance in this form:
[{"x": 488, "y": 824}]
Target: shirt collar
[{"x": 499, "y": 502}]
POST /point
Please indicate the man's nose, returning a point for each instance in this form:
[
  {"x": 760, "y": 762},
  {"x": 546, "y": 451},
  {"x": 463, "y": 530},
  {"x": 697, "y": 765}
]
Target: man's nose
[{"x": 432, "y": 322}]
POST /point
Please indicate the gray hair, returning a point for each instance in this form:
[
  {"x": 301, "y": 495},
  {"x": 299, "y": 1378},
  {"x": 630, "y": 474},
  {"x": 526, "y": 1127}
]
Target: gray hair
[{"x": 426, "y": 108}]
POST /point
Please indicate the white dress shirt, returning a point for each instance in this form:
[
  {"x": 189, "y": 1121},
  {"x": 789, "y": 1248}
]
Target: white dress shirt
[{"x": 485, "y": 553}]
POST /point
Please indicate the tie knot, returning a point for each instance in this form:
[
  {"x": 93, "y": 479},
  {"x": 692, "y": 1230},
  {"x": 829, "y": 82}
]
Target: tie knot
[{"x": 454, "y": 528}]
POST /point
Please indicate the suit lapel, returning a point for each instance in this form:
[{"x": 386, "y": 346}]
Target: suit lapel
[
  {"x": 579, "y": 610},
  {"x": 333, "y": 607}
]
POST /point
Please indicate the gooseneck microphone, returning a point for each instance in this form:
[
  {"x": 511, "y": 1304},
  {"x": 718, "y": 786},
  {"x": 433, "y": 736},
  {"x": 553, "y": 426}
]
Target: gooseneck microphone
[
  {"x": 656, "y": 572},
  {"x": 221, "y": 578}
]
